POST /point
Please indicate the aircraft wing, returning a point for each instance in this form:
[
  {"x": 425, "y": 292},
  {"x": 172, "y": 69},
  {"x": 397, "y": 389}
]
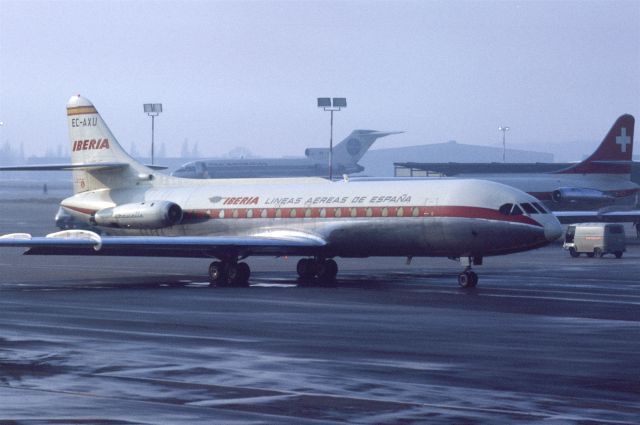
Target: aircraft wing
[
  {"x": 616, "y": 216},
  {"x": 81, "y": 166},
  {"x": 64, "y": 167},
  {"x": 83, "y": 242}
]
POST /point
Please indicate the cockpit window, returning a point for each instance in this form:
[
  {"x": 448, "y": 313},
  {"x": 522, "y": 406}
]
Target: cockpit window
[
  {"x": 505, "y": 209},
  {"x": 540, "y": 208},
  {"x": 529, "y": 208},
  {"x": 516, "y": 210}
]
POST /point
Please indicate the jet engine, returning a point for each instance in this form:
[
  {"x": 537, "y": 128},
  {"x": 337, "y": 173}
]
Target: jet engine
[
  {"x": 142, "y": 215},
  {"x": 578, "y": 194}
]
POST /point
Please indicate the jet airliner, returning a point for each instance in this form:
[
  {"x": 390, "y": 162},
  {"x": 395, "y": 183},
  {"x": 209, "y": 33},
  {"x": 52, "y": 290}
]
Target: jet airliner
[
  {"x": 346, "y": 155},
  {"x": 596, "y": 189},
  {"x": 146, "y": 213}
]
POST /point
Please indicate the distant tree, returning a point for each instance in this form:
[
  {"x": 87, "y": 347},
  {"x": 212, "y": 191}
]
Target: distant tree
[{"x": 184, "y": 152}]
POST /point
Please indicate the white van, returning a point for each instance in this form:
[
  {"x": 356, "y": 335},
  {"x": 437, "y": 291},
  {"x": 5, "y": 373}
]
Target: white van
[{"x": 595, "y": 239}]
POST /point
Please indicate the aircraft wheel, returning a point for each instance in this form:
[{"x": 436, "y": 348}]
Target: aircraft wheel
[
  {"x": 243, "y": 274},
  {"x": 305, "y": 268},
  {"x": 216, "y": 273},
  {"x": 598, "y": 252},
  {"x": 238, "y": 275},
  {"x": 468, "y": 279},
  {"x": 618, "y": 254},
  {"x": 574, "y": 253},
  {"x": 327, "y": 270},
  {"x": 590, "y": 254}
]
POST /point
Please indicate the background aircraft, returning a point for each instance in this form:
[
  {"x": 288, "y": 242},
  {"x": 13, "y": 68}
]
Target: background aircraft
[
  {"x": 598, "y": 188},
  {"x": 152, "y": 214},
  {"x": 346, "y": 155}
]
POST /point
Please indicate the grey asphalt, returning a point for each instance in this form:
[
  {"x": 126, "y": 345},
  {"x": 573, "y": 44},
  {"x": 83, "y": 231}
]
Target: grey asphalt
[{"x": 545, "y": 338}]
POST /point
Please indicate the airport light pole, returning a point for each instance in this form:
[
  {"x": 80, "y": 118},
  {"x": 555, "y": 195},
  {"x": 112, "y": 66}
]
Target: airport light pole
[
  {"x": 153, "y": 110},
  {"x": 331, "y": 105},
  {"x": 504, "y": 130}
]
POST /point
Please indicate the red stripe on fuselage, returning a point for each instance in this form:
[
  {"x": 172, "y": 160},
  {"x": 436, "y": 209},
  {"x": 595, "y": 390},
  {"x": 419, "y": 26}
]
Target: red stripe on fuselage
[
  {"x": 348, "y": 212},
  {"x": 358, "y": 212}
]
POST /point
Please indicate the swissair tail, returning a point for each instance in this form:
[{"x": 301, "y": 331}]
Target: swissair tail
[
  {"x": 613, "y": 156},
  {"x": 99, "y": 159}
]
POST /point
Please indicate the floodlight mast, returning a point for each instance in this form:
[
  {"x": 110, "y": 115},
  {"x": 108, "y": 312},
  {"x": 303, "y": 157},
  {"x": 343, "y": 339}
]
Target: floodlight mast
[
  {"x": 331, "y": 105},
  {"x": 153, "y": 110},
  {"x": 504, "y": 130}
]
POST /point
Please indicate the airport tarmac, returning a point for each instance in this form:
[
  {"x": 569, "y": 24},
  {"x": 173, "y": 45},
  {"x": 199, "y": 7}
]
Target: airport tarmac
[{"x": 544, "y": 338}]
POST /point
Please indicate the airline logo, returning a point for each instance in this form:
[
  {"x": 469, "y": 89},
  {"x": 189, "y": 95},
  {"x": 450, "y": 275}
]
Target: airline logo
[
  {"x": 623, "y": 140},
  {"x": 353, "y": 147},
  {"x": 93, "y": 144}
]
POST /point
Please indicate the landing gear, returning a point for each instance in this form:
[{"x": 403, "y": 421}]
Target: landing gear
[
  {"x": 468, "y": 279},
  {"x": 324, "y": 270},
  {"x": 229, "y": 273}
]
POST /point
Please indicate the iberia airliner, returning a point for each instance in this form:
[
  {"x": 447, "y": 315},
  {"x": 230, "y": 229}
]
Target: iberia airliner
[{"x": 145, "y": 213}]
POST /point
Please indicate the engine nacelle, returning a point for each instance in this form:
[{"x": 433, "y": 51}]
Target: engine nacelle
[
  {"x": 142, "y": 215},
  {"x": 579, "y": 194},
  {"x": 317, "y": 154}
]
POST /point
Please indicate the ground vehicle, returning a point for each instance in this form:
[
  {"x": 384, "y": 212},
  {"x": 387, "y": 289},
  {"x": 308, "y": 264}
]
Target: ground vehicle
[{"x": 595, "y": 239}]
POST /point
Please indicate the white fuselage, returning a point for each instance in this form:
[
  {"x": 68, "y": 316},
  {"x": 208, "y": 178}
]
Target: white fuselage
[{"x": 444, "y": 217}]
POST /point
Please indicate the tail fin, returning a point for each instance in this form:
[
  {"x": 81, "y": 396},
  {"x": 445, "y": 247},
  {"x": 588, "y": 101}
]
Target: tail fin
[
  {"x": 348, "y": 152},
  {"x": 93, "y": 143},
  {"x": 613, "y": 156}
]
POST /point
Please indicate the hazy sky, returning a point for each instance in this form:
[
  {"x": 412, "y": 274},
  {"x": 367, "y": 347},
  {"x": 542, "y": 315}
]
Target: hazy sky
[{"x": 248, "y": 73}]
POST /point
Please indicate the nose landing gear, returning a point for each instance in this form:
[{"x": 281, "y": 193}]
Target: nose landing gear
[{"x": 468, "y": 278}]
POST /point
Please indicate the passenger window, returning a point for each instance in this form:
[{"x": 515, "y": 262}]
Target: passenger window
[
  {"x": 264, "y": 214},
  {"x": 415, "y": 212},
  {"x": 400, "y": 212},
  {"x": 516, "y": 210},
  {"x": 307, "y": 213},
  {"x": 505, "y": 209},
  {"x": 293, "y": 213},
  {"x": 354, "y": 212},
  {"x": 385, "y": 212},
  {"x": 249, "y": 213},
  {"x": 323, "y": 212},
  {"x": 528, "y": 208},
  {"x": 278, "y": 213},
  {"x": 337, "y": 212}
]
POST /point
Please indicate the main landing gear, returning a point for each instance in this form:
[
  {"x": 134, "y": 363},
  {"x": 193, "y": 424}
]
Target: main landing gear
[
  {"x": 325, "y": 270},
  {"x": 229, "y": 273}
]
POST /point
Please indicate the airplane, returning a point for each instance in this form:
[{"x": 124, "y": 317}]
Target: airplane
[
  {"x": 598, "y": 188},
  {"x": 146, "y": 213},
  {"x": 346, "y": 155}
]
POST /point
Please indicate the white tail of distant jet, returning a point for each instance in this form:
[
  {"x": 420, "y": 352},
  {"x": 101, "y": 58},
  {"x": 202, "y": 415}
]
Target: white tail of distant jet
[{"x": 349, "y": 151}]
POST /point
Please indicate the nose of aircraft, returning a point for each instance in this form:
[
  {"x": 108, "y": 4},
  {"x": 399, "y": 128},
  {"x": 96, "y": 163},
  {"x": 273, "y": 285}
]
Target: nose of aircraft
[{"x": 552, "y": 228}]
